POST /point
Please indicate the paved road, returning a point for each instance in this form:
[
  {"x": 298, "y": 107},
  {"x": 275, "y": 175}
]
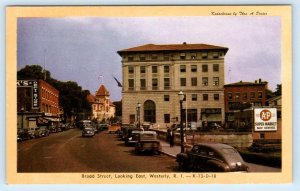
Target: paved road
[{"x": 69, "y": 152}]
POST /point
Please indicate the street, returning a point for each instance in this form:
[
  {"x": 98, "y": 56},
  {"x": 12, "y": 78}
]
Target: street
[{"x": 68, "y": 151}]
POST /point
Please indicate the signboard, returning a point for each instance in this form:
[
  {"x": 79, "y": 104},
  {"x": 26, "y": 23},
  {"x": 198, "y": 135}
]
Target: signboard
[
  {"x": 265, "y": 119},
  {"x": 34, "y": 85}
]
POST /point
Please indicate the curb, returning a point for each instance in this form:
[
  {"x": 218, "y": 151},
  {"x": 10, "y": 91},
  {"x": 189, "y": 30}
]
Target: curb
[{"x": 168, "y": 154}]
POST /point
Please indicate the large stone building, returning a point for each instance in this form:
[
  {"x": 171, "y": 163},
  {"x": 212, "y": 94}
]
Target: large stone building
[
  {"x": 102, "y": 108},
  {"x": 153, "y": 75}
]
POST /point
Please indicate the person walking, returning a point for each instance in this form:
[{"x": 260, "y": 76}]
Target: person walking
[{"x": 171, "y": 138}]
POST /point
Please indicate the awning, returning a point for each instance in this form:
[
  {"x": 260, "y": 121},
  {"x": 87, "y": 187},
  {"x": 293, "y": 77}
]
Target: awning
[{"x": 52, "y": 119}]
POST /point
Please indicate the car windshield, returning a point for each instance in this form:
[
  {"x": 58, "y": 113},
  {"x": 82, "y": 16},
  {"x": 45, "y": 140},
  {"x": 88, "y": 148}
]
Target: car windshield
[{"x": 88, "y": 128}]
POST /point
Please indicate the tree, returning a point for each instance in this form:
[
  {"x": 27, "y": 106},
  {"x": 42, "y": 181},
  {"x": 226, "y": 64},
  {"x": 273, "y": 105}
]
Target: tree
[{"x": 278, "y": 90}]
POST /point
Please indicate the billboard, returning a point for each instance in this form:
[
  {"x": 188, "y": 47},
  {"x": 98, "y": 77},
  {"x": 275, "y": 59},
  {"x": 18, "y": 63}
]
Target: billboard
[
  {"x": 34, "y": 85},
  {"x": 265, "y": 119}
]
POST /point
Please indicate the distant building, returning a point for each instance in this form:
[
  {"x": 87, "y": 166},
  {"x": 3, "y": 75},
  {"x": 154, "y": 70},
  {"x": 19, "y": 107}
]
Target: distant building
[
  {"x": 102, "y": 107},
  {"x": 153, "y": 75},
  {"x": 37, "y": 101}
]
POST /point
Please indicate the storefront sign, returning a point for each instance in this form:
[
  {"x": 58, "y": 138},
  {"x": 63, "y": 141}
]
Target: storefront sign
[
  {"x": 265, "y": 119},
  {"x": 34, "y": 85}
]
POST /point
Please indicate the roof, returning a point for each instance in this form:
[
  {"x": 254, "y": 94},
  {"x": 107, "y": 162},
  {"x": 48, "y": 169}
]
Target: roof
[
  {"x": 172, "y": 47},
  {"x": 274, "y": 98},
  {"x": 102, "y": 91},
  {"x": 246, "y": 84},
  {"x": 90, "y": 98}
]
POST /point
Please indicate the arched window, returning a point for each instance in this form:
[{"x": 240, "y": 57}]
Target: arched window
[{"x": 149, "y": 111}]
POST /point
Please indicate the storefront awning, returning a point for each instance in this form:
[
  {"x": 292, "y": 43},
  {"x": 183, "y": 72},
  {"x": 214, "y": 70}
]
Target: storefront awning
[{"x": 52, "y": 119}]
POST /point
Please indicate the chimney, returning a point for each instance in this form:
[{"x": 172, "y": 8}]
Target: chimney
[
  {"x": 184, "y": 43},
  {"x": 259, "y": 80}
]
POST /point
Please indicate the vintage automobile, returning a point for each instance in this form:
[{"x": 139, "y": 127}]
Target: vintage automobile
[
  {"x": 88, "y": 131},
  {"x": 211, "y": 157},
  {"x": 52, "y": 129},
  {"x": 44, "y": 131},
  {"x": 34, "y": 132},
  {"x": 133, "y": 136},
  {"x": 22, "y": 134},
  {"x": 147, "y": 141},
  {"x": 114, "y": 128}
]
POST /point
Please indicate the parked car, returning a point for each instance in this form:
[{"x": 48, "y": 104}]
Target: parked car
[
  {"x": 88, "y": 131},
  {"x": 147, "y": 141},
  {"x": 133, "y": 136},
  {"x": 114, "y": 128},
  {"x": 34, "y": 132},
  {"x": 44, "y": 131},
  {"x": 52, "y": 129},
  {"x": 103, "y": 126},
  {"x": 124, "y": 131},
  {"x": 22, "y": 134},
  {"x": 211, "y": 157}
]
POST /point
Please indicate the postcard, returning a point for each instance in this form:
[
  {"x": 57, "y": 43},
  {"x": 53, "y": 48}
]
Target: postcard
[{"x": 149, "y": 94}]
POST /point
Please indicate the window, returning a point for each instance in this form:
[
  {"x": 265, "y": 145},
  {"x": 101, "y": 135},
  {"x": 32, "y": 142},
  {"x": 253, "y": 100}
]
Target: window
[
  {"x": 182, "y": 56},
  {"x": 154, "y": 56},
  {"x": 182, "y": 81},
  {"x": 191, "y": 115},
  {"x": 166, "y": 69},
  {"x": 194, "y": 68},
  {"x": 130, "y": 69},
  {"x": 194, "y": 97},
  {"x": 130, "y": 58},
  {"x": 237, "y": 96},
  {"x": 194, "y": 81},
  {"x": 205, "y": 97},
  {"x": 167, "y": 118},
  {"x": 193, "y": 56},
  {"x": 143, "y": 84},
  {"x": 166, "y": 83},
  {"x": 132, "y": 118},
  {"x": 130, "y": 84},
  {"x": 259, "y": 95},
  {"x": 245, "y": 95},
  {"x": 229, "y": 95},
  {"x": 182, "y": 68},
  {"x": 142, "y": 69},
  {"x": 216, "y": 67},
  {"x": 215, "y": 55},
  {"x": 205, "y": 81},
  {"x": 262, "y": 135},
  {"x": 142, "y": 57},
  {"x": 166, "y": 98},
  {"x": 154, "y": 84},
  {"x": 166, "y": 56},
  {"x": 204, "y": 55},
  {"x": 252, "y": 95},
  {"x": 216, "y": 81},
  {"x": 216, "y": 97},
  {"x": 154, "y": 69},
  {"x": 204, "y": 68}
]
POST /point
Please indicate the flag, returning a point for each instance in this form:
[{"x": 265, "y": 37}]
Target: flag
[{"x": 119, "y": 83}]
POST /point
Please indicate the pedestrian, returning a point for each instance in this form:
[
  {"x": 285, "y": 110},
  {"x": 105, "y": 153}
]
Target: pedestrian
[{"x": 171, "y": 138}]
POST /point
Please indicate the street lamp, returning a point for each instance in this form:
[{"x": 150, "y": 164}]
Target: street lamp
[
  {"x": 22, "y": 113},
  {"x": 138, "y": 114},
  {"x": 181, "y": 98}
]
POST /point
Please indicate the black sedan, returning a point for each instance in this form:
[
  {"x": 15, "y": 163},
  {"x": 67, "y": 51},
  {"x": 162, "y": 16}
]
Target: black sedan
[{"x": 211, "y": 157}]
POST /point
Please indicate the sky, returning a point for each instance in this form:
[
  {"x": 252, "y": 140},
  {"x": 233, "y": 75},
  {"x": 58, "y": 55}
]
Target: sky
[{"x": 82, "y": 49}]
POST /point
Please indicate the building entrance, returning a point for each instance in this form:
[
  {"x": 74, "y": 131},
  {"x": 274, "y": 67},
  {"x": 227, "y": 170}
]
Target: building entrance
[{"x": 149, "y": 111}]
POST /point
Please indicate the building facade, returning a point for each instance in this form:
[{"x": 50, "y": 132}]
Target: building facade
[
  {"x": 36, "y": 99},
  {"x": 242, "y": 95},
  {"x": 102, "y": 108},
  {"x": 153, "y": 75}
]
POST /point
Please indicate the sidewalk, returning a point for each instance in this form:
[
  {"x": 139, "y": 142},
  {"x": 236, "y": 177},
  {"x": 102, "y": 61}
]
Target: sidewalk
[{"x": 170, "y": 151}]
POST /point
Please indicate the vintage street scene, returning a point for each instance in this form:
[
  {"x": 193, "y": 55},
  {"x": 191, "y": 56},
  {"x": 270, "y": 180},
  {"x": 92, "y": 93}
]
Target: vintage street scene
[{"x": 147, "y": 95}]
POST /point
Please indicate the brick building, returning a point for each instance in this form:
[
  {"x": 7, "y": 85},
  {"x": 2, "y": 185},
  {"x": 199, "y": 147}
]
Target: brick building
[
  {"x": 153, "y": 75},
  {"x": 242, "y": 95},
  {"x": 37, "y": 98}
]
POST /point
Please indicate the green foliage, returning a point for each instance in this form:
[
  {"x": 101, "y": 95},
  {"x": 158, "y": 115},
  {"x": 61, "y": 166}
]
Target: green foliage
[
  {"x": 71, "y": 96},
  {"x": 278, "y": 90}
]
